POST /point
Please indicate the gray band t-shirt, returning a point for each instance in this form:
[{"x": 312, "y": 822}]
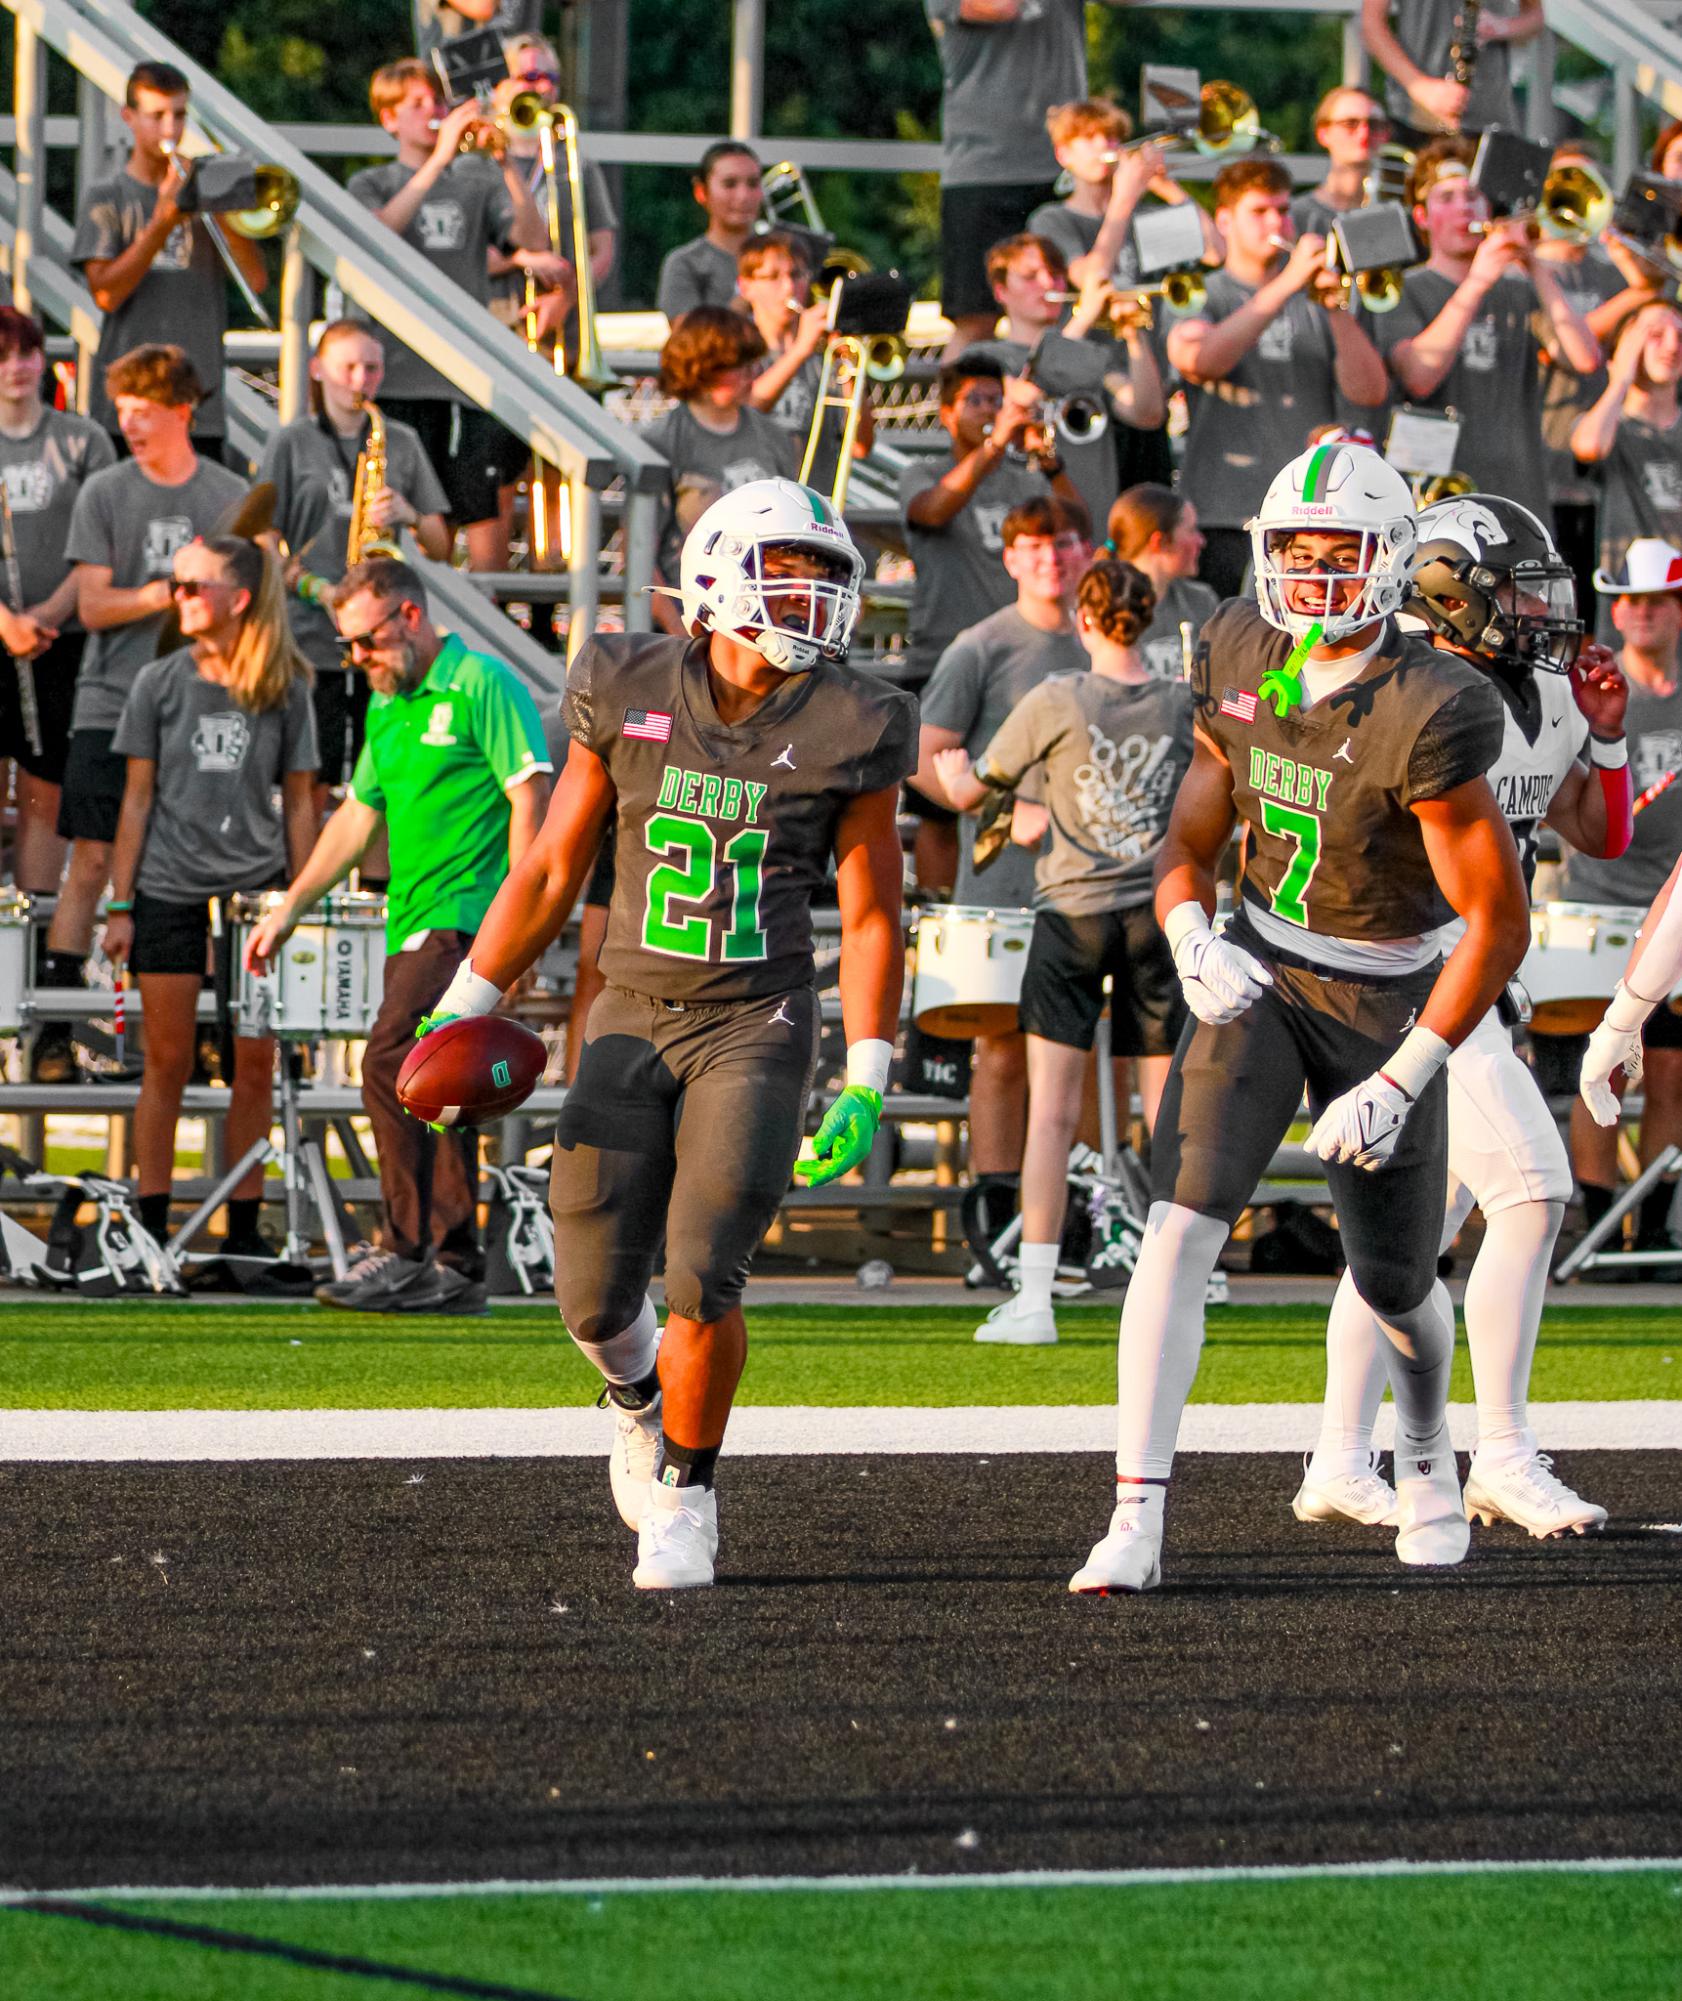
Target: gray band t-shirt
[
  {"x": 1588, "y": 283},
  {"x": 1653, "y": 726},
  {"x": 214, "y": 827},
  {"x": 697, "y": 273},
  {"x": 706, "y": 463},
  {"x": 182, "y": 298},
  {"x": 982, "y": 676},
  {"x": 1165, "y": 648},
  {"x": 133, "y": 526},
  {"x": 44, "y": 472},
  {"x": 1114, "y": 753},
  {"x": 997, "y": 83},
  {"x": 313, "y": 471},
  {"x": 1641, "y": 494},
  {"x": 960, "y": 568},
  {"x": 508, "y": 289},
  {"x": 1427, "y": 30},
  {"x": 465, "y": 211}
]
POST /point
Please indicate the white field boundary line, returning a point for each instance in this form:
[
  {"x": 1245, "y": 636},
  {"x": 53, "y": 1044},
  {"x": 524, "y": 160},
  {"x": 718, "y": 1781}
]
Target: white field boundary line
[
  {"x": 573, "y": 1432},
  {"x": 1022, "y": 1879}
]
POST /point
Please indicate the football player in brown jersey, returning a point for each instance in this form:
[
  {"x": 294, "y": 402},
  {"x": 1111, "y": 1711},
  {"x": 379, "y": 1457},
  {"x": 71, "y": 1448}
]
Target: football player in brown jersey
[
  {"x": 735, "y": 764},
  {"x": 1353, "y": 754}
]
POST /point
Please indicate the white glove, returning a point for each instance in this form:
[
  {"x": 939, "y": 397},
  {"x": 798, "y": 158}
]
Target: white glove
[
  {"x": 1363, "y": 1125},
  {"x": 1219, "y": 980},
  {"x": 1614, "y": 1045}
]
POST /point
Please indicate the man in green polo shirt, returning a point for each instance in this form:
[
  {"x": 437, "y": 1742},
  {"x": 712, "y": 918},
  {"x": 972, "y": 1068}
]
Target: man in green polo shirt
[{"x": 455, "y": 764}]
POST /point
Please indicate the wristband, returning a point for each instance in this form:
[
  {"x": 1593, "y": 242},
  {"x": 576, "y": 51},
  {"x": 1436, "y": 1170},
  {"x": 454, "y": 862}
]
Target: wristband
[
  {"x": 1626, "y": 1011},
  {"x": 467, "y": 993},
  {"x": 868, "y": 1064},
  {"x": 1609, "y": 753},
  {"x": 123, "y": 909},
  {"x": 310, "y": 587},
  {"x": 1422, "y": 1054},
  {"x": 1615, "y": 790}
]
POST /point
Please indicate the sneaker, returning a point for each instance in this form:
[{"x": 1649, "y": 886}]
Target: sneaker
[
  {"x": 373, "y": 1272},
  {"x": 1217, "y": 1292},
  {"x": 677, "y": 1541},
  {"x": 1527, "y": 1492},
  {"x": 434, "y": 1288},
  {"x": 1019, "y": 1326},
  {"x": 1130, "y": 1556},
  {"x": 1430, "y": 1517},
  {"x": 1363, "y": 1495},
  {"x": 53, "y": 1058},
  {"x": 635, "y": 1454}
]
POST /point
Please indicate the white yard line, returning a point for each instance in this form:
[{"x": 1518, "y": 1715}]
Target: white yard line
[
  {"x": 1022, "y": 1879},
  {"x": 571, "y": 1432}
]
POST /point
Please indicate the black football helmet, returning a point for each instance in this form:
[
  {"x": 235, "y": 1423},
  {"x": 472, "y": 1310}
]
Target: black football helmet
[{"x": 1489, "y": 581}]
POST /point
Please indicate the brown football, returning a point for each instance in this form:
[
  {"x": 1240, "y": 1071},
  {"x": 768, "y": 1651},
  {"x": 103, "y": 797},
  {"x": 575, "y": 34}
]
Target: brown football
[{"x": 471, "y": 1071}]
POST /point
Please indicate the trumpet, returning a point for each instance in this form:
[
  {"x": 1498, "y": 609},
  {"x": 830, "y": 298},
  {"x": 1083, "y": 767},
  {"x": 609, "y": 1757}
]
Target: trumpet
[
  {"x": 1227, "y": 126},
  {"x": 1378, "y": 290},
  {"x": 1130, "y": 306},
  {"x": 1428, "y": 489}
]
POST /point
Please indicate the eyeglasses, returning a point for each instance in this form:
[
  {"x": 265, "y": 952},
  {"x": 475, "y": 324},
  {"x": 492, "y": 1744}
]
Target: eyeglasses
[
  {"x": 361, "y": 645},
  {"x": 195, "y": 587}
]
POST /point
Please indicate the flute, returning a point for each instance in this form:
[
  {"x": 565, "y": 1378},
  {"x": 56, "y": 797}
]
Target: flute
[{"x": 28, "y": 708}]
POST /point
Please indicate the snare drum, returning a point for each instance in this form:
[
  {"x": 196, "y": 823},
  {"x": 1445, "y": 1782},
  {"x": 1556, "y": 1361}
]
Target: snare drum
[
  {"x": 1577, "y": 955},
  {"x": 14, "y": 959},
  {"x": 969, "y": 970},
  {"x": 326, "y": 980}
]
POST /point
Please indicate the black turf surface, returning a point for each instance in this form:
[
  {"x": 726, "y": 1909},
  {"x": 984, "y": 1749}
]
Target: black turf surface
[{"x": 335, "y": 1675}]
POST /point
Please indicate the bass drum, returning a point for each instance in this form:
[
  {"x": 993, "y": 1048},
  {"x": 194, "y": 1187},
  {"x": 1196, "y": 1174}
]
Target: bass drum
[
  {"x": 969, "y": 970},
  {"x": 1577, "y": 955}
]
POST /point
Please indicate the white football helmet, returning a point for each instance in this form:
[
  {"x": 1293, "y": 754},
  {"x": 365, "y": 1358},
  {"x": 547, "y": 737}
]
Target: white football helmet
[
  {"x": 793, "y": 621},
  {"x": 1336, "y": 489}
]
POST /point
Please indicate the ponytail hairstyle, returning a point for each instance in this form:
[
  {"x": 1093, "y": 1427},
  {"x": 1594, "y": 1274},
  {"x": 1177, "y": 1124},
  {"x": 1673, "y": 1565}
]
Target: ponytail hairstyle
[
  {"x": 265, "y": 661},
  {"x": 1119, "y": 600},
  {"x": 1141, "y": 512}
]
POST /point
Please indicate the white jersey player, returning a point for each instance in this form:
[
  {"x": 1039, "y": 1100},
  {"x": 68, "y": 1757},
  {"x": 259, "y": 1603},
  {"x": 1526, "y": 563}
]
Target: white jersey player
[{"x": 1491, "y": 587}]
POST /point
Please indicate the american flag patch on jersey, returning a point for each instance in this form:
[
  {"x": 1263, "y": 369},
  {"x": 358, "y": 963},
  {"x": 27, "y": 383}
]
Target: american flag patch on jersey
[
  {"x": 1241, "y": 706},
  {"x": 655, "y": 725}
]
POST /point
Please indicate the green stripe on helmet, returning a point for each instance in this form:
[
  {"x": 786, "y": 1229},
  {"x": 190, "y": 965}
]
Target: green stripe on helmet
[
  {"x": 1319, "y": 471},
  {"x": 820, "y": 514}
]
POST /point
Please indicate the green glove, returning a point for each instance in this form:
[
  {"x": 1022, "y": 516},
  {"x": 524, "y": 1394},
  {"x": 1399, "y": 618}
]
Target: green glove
[
  {"x": 843, "y": 1139},
  {"x": 428, "y": 1022}
]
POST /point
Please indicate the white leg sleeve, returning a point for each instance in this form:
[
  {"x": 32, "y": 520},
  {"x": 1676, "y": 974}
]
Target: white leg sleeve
[
  {"x": 1503, "y": 1312},
  {"x": 1162, "y": 1336},
  {"x": 628, "y": 1356},
  {"x": 1419, "y": 1353},
  {"x": 1354, "y": 1379}
]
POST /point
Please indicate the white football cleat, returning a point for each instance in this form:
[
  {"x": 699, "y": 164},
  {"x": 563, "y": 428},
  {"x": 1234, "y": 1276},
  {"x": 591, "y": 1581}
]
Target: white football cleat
[
  {"x": 1130, "y": 1556},
  {"x": 1527, "y": 1492},
  {"x": 1359, "y": 1492},
  {"x": 1431, "y": 1518},
  {"x": 678, "y": 1539},
  {"x": 631, "y": 1463},
  {"x": 1011, "y": 1323}
]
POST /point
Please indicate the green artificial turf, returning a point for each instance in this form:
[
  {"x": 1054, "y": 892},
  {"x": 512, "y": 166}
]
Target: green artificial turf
[
  {"x": 1570, "y": 1936},
  {"x": 134, "y": 1355}
]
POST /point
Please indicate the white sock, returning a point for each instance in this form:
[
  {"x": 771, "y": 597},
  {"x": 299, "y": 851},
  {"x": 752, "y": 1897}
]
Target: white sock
[
  {"x": 1354, "y": 1383},
  {"x": 625, "y": 1357},
  {"x": 1035, "y": 1269},
  {"x": 1419, "y": 1354},
  {"x": 1503, "y": 1313},
  {"x": 1162, "y": 1336}
]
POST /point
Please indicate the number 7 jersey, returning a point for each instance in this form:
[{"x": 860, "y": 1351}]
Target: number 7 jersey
[{"x": 725, "y": 831}]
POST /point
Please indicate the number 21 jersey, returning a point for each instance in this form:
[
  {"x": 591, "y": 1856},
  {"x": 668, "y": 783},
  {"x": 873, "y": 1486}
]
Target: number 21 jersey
[{"x": 725, "y": 831}]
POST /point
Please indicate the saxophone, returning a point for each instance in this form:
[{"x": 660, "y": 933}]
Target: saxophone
[
  {"x": 363, "y": 539},
  {"x": 1463, "y": 50}
]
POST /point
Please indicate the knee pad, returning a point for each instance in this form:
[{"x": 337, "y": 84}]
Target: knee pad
[{"x": 1394, "y": 1288}]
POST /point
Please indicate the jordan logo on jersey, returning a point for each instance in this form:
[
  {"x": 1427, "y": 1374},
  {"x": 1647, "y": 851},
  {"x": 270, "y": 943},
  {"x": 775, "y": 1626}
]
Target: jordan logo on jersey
[
  {"x": 784, "y": 760},
  {"x": 704, "y": 792}
]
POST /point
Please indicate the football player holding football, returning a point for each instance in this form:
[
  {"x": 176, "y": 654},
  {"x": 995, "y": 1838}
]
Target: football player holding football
[
  {"x": 1491, "y": 587},
  {"x": 734, "y": 765},
  {"x": 1354, "y": 755}
]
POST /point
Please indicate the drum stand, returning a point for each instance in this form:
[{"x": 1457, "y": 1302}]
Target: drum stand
[
  {"x": 304, "y": 1176},
  {"x": 1587, "y": 1256}
]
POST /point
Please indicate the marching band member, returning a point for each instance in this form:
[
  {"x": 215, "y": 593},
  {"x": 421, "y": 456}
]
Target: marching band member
[
  {"x": 1156, "y": 530},
  {"x": 1436, "y": 84}
]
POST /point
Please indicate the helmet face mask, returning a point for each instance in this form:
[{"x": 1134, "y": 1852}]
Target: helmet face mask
[
  {"x": 772, "y": 566},
  {"x": 1490, "y": 582},
  {"x": 1342, "y": 490}
]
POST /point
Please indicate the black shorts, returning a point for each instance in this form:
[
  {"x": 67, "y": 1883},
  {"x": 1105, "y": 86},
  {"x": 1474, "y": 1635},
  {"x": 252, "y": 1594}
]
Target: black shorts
[
  {"x": 921, "y": 807},
  {"x": 466, "y": 446},
  {"x": 972, "y": 220},
  {"x": 1063, "y": 982},
  {"x": 340, "y": 696},
  {"x": 1233, "y": 1092},
  {"x": 55, "y": 693},
  {"x": 682, "y": 1124},
  {"x": 92, "y": 799},
  {"x": 170, "y": 937}
]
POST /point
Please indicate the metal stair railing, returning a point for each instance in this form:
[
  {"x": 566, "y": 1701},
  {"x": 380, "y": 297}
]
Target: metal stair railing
[{"x": 375, "y": 268}]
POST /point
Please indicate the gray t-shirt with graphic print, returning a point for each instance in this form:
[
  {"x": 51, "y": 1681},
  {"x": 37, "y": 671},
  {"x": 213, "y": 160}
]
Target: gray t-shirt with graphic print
[
  {"x": 706, "y": 463},
  {"x": 133, "y": 526},
  {"x": 313, "y": 470},
  {"x": 214, "y": 828},
  {"x": 44, "y": 473},
  {"x": 1653, "y": 726},
  {"x": 466, "y": 210},
  {"x": 182, "y": 298},
  {"x": 1641, "y": 488},
  {"x": 1165, "y": 648},
  {"x": 1114, "y": 753}
]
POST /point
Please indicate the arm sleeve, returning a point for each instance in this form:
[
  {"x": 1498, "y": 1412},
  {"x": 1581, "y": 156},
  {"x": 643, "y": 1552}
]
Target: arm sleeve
[
  {"x": 952, "y": 700},
  {"x": 299, "y": 750},
  {"x": 90, "y": 539},
  {"x": 98, "y": 453},
  {"x": 369, "y": 187},
  {"x": 365, "y": 786},
  {"x": 915, "y": 478},
  {"x": 599, "y": 212},
  {"x": 893, "y": 756},
  {"x": 578, "y": 705},
  {"x": 1460, "y": 742},
  {"x": 508, "y": 729},
  {"x": 137, "y": 731},
  {"x": 678, "y": 291},
  {"x": 1022, "y": 740}
]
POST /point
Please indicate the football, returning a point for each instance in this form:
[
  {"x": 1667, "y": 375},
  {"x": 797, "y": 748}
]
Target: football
[{"x": 471, "y": 1071}]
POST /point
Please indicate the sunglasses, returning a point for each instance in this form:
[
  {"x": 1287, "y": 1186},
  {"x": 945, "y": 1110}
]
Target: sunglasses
[
  {"x": 1358, "y": 124},
  {"x": 361, "y": 645},
  {"x": 195, "y": 587}
]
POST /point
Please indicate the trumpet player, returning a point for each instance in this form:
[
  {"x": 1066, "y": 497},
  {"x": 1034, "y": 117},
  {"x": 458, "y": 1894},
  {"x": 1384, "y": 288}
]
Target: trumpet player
[
  {"x": 1349, "y": 127},
  {"x": 1270, "y": 355},
  {"x": 315, "y": 466},
  {"x": 152, "y": 268},
  {"x": 451, "y": 209}
]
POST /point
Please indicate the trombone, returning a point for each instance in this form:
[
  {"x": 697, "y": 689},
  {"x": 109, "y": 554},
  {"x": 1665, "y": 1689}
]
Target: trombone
[
  {"x": 1575, "y": 206},
  {"x": 275, "y": 197},
  {"x": 1227, "y": 126},
  {"x": 851, "y": 362},
  {"x": 790, "y": 204}
]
